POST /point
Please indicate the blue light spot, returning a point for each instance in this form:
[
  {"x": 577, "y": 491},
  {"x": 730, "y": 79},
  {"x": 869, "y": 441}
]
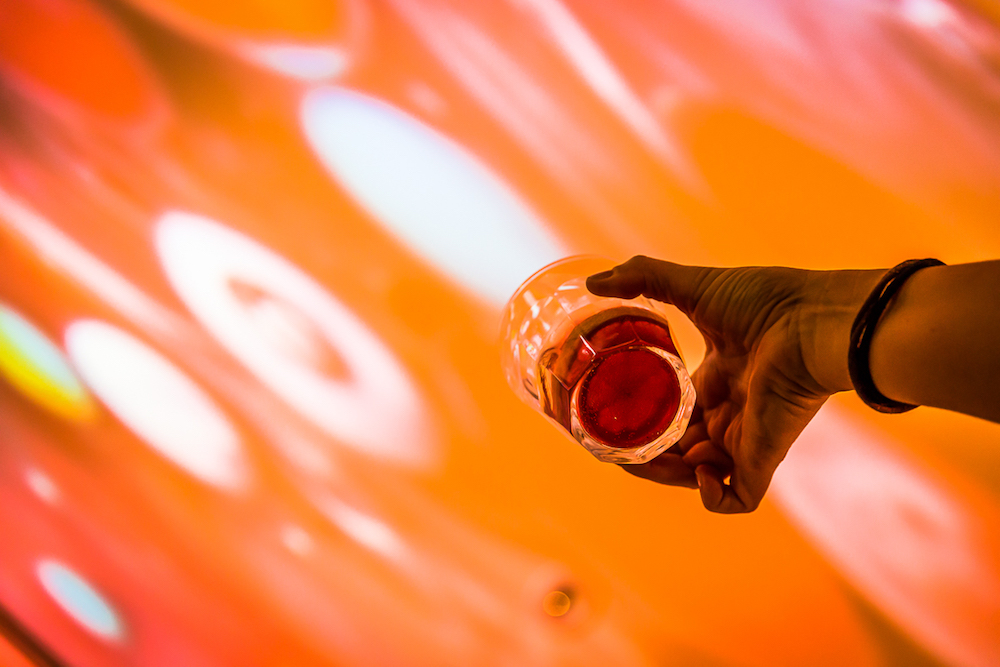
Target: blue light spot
[{"x": 79, "y": 599}]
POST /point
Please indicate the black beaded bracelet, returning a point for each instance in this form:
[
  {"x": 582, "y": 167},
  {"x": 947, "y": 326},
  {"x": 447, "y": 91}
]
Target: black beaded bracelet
[{"x": 863, "y": 330}]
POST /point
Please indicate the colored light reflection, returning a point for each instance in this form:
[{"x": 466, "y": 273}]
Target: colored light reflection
[
  {"x": 430, "y": 192},
  {"x": 12, "y": 656},
  {"x": 157, "y": 401},
  {"x": 302, "y": 343},
  {"x": 80, "y": 600},
  {"x": 33, "y": 364},
  {"x": 280, "y": 311},
  {"x": 304, "y": 39},
  {"x": 926, "y": 555},
  {"x": 308, "y": 18},
  {"x": 42, "y": 485},
  {"x": 71, "y": 57},
  {"x": 304, "y": 62}
]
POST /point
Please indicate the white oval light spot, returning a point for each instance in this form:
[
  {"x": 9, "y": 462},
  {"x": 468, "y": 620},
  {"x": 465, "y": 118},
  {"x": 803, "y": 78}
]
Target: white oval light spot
[
  {"x": 437, "y": 197},
  {"x": 41, "y": 485},
  {"x": 81, "y": 601},
  {"x": 296, "y": 540},
  {"x": 365, "y": 529},
  {"x": 294, "y": 336},
  {"x": 157, "y": 401},
  {"x": 927, "y": 13}
]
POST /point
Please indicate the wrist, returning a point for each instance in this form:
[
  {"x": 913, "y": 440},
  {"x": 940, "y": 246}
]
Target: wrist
[{"x": 829, "y": 309}]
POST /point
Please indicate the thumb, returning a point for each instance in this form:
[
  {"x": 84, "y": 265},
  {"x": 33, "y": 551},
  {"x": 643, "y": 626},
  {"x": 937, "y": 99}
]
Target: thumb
[{"x": 671, "y": 283}]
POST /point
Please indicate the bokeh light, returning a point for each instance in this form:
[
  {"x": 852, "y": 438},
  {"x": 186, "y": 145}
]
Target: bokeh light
[
  {"x": 252, "y": 258},
  {"x": 157, "y": 401},
  {"x": 80, "y": 600},
  {"x": 32, "y": 363},
  {"x": 438, "y": 198}
]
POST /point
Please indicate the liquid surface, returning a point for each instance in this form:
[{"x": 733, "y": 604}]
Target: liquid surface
[{"x": 628, "y": 395}]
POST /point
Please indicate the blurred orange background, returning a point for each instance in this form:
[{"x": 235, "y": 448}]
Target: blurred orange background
[{"x": 252, "y": 261}]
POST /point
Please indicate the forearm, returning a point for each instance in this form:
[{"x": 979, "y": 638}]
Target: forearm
[{"x": 938, "y": 343}]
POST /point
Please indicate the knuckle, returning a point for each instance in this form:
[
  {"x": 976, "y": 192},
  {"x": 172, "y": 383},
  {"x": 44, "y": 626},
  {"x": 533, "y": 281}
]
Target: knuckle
[
  {"x": 640, "y": 262},
  {"x": 750, "y": 504}
]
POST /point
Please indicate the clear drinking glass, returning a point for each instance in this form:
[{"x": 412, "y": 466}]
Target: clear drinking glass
[{"x": 605, "y": 370}]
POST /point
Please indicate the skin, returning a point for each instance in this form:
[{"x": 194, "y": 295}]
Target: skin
[{"x": 776, "y": 349}]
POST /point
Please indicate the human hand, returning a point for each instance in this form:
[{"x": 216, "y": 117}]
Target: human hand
[{"x": 776, "y": 348}]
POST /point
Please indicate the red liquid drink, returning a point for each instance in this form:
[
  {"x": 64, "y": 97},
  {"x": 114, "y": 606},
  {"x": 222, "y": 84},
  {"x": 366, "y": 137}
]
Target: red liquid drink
[
  {"x": 605, "y": 370},
  {"x": 610, "y": 377}
]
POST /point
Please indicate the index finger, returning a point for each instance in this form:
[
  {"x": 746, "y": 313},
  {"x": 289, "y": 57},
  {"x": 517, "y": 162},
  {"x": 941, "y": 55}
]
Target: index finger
[
  {"x": 667, "y": 468},
  {"x": 671, "y": 283}
]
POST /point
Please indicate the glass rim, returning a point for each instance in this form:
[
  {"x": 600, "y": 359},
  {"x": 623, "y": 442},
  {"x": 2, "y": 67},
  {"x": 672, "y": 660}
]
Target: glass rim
[{"x": 551, "y": 265}]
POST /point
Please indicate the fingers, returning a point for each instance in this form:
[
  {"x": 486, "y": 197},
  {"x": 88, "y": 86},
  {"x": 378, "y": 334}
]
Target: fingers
[
  {"x": 667, "y": 468},
  {"x": 670, "y": 467},
  {"x": 717, "y": 496},
  {"x": 706, "y": 453},
  {"x": 676, "y": 284},
  {"x": 771, "y": 423}
]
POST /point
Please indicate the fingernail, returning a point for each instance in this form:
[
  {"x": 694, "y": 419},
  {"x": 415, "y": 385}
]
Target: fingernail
[
  {"x": 601, "y": 276},
  {"x": 700, "y": 476}
]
